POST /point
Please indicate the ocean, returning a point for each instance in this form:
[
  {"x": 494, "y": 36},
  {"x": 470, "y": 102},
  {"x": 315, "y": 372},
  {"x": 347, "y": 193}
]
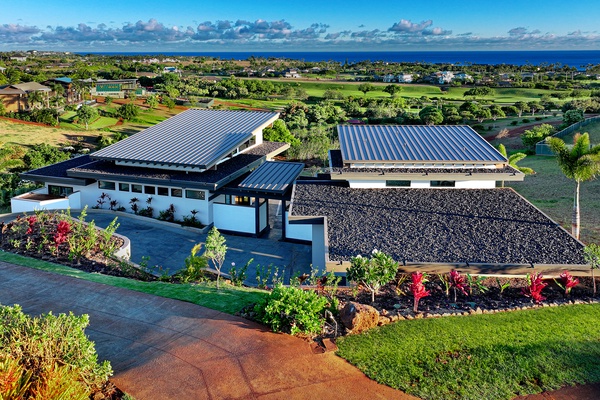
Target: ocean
[{"x": 573, "y": 58}]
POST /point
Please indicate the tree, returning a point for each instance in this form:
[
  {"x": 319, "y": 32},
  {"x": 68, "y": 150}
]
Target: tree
[
  {"x": 431, "y": 115},
  {"x": 86, "y": 113},
  {"x": 35, "y": 99},
  {"x": 393, "y": 90},
  {"x": 496, "y": 112},
  {"x": 280, "y": 133},
  {"x": 168, "y": 102},
  {"x": 43, "y": 154},
  {"x": 572, "y": 117},
  {"x": 514, "y": 159},
  {"x": 366, "y": 87},
  {"x": 581, "y": 163},
  {"x": 521, "y": 107},
  {"x": 215, "y": 250},
  {"x": 482, "y": 114},
  {"x": 591, "y": 254},
  {"x": 108, "y": 100},
  {"x": 372, "y": 272},
  {"x": 2, "y": 107},
  {"x": 128, "y": 111},
  {"x": 152, "y": 101},
  {"x": 536, "y": 134}
]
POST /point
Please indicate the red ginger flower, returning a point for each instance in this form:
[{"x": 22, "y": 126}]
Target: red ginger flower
[
  {"x": 417, "y": 288},
  {"x": 568, "y": 281},
  {"x": 534, "y": 288}
]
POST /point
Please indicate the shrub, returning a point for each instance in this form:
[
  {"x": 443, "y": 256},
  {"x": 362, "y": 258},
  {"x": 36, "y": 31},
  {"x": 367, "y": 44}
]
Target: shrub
[
  {"x": 292, "y": 310},
  {"x": 194, "y": 266},
  {"x": 40, "y": 344},
  {"x": 526, "y": 120},
  {"x": 215, "y": 250},
  {"x": 372, "y": 273},
  {"x": 567, "y": 282},
  {"x": 168, "y": 214},
  {"x": 514, "y": 122}
]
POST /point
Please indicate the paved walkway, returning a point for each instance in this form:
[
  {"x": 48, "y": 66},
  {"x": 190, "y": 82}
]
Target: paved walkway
[
  {"x": 168, "y": 246},
  {"x": 168, "y": 349}
]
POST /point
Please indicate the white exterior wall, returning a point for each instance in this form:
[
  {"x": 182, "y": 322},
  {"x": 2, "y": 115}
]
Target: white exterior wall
[
  {"x": 263, "y": 216},
  {"x": 370, "y": 184},
  {"x": 90, "y": 194},
  {"x": 297, "y": 231},
  {"x": 380, "y": 184},
  {"x": 475, "y": 184},
  {"x": 234, "y": 218}
]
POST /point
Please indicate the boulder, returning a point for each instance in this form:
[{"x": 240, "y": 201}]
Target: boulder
[{"x": 358, "y": 317}]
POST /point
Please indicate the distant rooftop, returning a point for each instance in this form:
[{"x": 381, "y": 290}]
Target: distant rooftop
[
  {"x": 400, "y": 143},
  {"x": 194, "y": 138},
  {"x": 273, "y": 176}
]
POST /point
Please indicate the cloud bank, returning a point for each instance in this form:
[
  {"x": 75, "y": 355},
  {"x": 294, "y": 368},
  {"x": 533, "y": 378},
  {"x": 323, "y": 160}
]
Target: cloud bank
[{"x": 243, "y": 34}]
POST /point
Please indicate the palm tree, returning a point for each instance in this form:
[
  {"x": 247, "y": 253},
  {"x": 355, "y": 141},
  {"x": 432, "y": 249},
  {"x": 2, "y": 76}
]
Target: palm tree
[
  {"x": 514, "y": 159},
  {"x": 580, "y": 163},
  {"x": 35, "y": 97}
]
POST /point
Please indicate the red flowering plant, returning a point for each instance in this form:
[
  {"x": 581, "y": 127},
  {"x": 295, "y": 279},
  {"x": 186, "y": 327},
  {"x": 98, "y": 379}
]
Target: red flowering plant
[
  {"x": 31, "y": 222},
  {"x": 534, "y": 287},
  {"x": 458, "y": 282},
  {"x": 417, "y": 288},
  {"x": 62, "y": 231},
  {"x": 566, "y": 282}
]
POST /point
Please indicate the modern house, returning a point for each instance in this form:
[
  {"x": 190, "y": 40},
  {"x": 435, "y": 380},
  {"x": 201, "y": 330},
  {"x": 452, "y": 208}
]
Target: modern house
[
  {"x": 426, "y": 195},
  {"x": 212, "y": 164}
]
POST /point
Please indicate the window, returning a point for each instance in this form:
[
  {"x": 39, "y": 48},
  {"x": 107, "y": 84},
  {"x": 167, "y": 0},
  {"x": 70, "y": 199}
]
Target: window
[
  {"x": 442, "y": 184},
  {"x": 242, "y": 200},
  {"x": 162, "y": 191},
  {"x": 397, "y": 183},
  {"x": 124, "y": 187},
  {"x": 194, "y": 194},
  {"x": 176, "y": 192},
  {"x": 106, "y": 185},
  {"x": 149, "y": 190},
  {"x": 59, "y": 190},
  {"x": 227, "y": 199},
  {"x": 136, "y": 188}
]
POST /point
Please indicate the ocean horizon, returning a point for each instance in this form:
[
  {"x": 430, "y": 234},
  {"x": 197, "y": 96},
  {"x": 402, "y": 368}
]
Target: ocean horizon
[{"x": 572, "y": 58}]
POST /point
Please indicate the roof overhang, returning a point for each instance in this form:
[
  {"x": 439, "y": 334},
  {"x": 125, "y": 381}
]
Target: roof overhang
[
  {"x": 78, "y": 181},
  {"x": 453, "y": 176}
]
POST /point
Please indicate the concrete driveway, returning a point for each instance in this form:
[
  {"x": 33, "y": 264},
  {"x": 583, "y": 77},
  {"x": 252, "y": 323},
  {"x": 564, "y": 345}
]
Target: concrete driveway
[
  {"x": 168, "y": 349},
  {"x": 168, "y": 246}
]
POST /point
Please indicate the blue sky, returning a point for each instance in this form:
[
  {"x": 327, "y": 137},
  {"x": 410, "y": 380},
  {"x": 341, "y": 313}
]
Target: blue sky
[{"x": 301, "y": 25}]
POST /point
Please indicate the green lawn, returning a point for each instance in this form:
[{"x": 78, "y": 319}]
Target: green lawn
[
  {"x": 593, "y": 129},
  {"x": 496, "y": 356},
  {"x": 551, "y": 192},
  {"x": 228, "y": 299}
]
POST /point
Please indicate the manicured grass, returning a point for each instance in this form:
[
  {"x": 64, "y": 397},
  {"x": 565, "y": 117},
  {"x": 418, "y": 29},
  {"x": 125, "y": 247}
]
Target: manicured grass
[
  {"x": 228, "y": 299},
  {"x": 494, "y": 356},
  {"x": 552, "y": 193},
  {"x": 593, "y": 129}
]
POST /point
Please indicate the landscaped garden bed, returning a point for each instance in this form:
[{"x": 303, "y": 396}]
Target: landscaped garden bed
[{"x": 59, "y": 238}]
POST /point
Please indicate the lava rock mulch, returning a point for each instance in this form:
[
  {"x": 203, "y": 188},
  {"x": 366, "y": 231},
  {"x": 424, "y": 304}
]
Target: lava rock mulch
[{"x": 495, "y": 226}]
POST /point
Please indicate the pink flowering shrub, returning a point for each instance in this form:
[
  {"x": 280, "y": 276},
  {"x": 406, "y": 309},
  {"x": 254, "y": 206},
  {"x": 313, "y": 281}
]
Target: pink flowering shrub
[
  {"x": 62, "y": 231},
  {"x": 458, "y": 282}
]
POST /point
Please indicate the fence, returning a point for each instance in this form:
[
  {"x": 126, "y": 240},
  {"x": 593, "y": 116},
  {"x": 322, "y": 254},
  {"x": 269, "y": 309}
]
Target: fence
[{"x": 542, "y": 149}]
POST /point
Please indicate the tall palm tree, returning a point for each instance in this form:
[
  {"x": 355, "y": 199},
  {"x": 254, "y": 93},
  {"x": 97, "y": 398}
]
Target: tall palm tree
[
  {"x": 514, "y": 159},
  {"x": 580, "y": 163}
]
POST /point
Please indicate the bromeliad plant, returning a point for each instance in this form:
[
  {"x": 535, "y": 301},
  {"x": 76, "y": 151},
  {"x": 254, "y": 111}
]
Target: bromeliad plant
[
  {"x": 535, "y": 285},
  {"x": 458, "y": 282},
  {"x": 372, "y": 272},
  {"x": 417, "y": 288},
  {"x": 566, "y": 282}
]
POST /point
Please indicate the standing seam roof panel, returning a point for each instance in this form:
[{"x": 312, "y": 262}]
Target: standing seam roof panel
[{"x": 423, "y": 143}]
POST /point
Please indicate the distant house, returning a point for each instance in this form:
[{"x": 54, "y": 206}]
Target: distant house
[
  {"x": 69, "y": 91},
  {"x": 210, "y": 162},
  {"x": 463, "y": 76},
  {"x": 18, "y": 58},
  {"x": 15, "y": 96},
  {"x": 427, "y": 196},
  {"x": 405, "y": 78},
  {"x": 118, "y": 88}
]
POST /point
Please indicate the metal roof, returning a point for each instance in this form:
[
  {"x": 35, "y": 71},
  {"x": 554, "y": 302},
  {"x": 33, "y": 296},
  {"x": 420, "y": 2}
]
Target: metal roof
[
  {"x": 194, "y": 138},
  {"x": 400, "y": 143},
  {"x": 32, "y": 86},
  {"x": 272, "y": 176}
]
